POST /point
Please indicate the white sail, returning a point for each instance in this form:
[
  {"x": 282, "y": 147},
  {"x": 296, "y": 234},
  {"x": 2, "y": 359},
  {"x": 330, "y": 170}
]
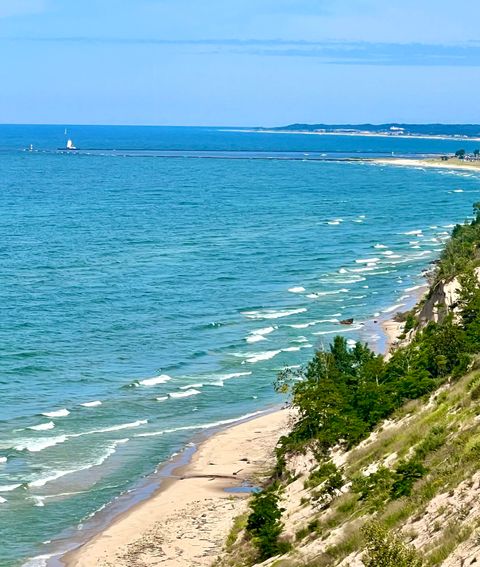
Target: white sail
[{"x": 70, "y": 145}]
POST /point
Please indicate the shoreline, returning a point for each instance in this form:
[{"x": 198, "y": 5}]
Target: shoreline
[
  {"x": 190, "y": 493},
  {"x": 191, "y": 513},
  {"x": 357, "y": 134},
  {"x": 405, "y": 162}
]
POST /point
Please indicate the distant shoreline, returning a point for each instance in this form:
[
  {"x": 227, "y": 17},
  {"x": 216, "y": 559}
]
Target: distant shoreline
[
  {"x": 430, "y": 163},
  {"x": 356, "y": 134}
]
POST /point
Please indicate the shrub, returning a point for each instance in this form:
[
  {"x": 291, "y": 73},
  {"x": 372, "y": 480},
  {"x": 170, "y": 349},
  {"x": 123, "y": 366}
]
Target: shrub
[{"x": 384, "y": 549}]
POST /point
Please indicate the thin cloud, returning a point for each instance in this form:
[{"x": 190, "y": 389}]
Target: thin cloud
[{"x": 331, "y": 52}]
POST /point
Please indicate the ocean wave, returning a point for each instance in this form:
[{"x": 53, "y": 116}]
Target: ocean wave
[
  {"x": 413, "y": 232},
  {"x": 339, "y": 331},
  {"x": 335, "y": 222},
  {"x": 234, "y": 375},
  {"x": 3, "y": 460},
  {"x": 92, "y": 404},
  {"x": 155, "y": 380},
  {"x": 58, "y": 413},
  {"x": 3, "y": 500},
  {"x": 367, "y": 261},
  {"x": 185, "y": 394},
  {"x": 393, "y": 308},
  {"x": 379, "y": 246},
  {"x": 201, "y": 426},
  {"x": 42, "y": 426},
  {"x": 110, "y": 450},
  {"x": 190, "y": 386},
  {"x": 415, "y": 287},
  {"x": 255, "y": 338},
  {"x": 9, "y": 487},
  {"x": 271, "y": 314},
  {"x": 37, "y": 445},
  {"x": 267, "y": 355},
  {"x": 297, "y": 289},
  {"x": 318, "y": 294},
  {"x": 162, "y": 398},
  {"x": 312, "y": 323},
  {"x": 130, "y": 425}
]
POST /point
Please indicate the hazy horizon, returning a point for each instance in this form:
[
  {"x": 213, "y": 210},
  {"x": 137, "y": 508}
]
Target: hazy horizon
[{"x": 262, "y": 63}]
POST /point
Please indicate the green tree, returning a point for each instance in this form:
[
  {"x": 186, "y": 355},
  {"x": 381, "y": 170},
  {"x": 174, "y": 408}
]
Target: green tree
[{"x": 460, "y": 154}]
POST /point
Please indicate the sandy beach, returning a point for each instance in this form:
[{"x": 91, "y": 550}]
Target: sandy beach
[
  {"x": 187, "y": 521},
  {"x": 426, "y": 163}
]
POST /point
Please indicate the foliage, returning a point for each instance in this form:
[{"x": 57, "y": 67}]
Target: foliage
[
  {"x": 321, "y": 474},
  {"x": 264, "y": 522},
  {"x": 406, "y": 473},
  {"x": 384, "y": 549}
]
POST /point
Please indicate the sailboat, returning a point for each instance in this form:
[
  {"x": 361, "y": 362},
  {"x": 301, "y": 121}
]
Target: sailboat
[{"x": 70, "y": 145}]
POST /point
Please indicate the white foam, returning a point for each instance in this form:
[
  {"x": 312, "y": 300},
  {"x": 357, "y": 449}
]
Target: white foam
[
  {"x": 58, "y": 413},
  {"x": 3, "y": 460},
  {"x": 155, "y": 380},
  {"x": 367, "y": 260},
  {"x": 92, "y": 404},
  {"x": 323, "y": 293},
  {"x": 185, "y": 394},
  {"x": 162, "y": 398},
  {"x": 9, "y": 487},
  {"x": 339, "y": 331},
  {"x": 267, "y": 355},
  {"x": 217, "y": 383},
  {"x": 201, "y": 426},
  {"x": 190, "y": 386},
  {"x": 313, "y": 323},
  {"x": 43, "y": 426},
  {"x": 2, "y": 500},
  {"x": 415, "y": 287},
  {"x": 297, "y": 289},
  {"x": 351, "y": 343},
  {"x": 413, "y": 232},
  {"x": 39, "y": 561},
  {"x": 130, "y": 425},
  {"x": 255, "y": 338},
  {"x": 387, "y": 253},
  {"x": 270, "y": 314},
  {"x": 43, "y": 480},
  {"x": 379, "y": 246},
  {"x": 235, "y": 375},
  {"x": 457, "y": 191},
  {"x": 342, "y": 271},
  {"x": 335, "y": 221},
  {"x": 393, "y": 308},
  {"x": 37, "y": 445}
]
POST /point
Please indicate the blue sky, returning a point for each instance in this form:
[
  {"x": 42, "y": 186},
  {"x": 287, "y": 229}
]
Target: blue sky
[{"x": 238, "y": 62}]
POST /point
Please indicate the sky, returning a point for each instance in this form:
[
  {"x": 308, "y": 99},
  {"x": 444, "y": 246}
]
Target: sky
[{"x": 239, "y": 62}]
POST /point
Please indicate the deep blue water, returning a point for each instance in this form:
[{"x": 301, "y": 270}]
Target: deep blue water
[{"x": 170, "y": 292}]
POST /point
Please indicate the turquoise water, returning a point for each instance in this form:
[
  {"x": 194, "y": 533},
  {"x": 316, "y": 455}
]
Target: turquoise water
[{"x": 145, "y": 298}]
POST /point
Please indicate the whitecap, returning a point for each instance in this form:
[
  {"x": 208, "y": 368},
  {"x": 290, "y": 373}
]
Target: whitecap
[
  {"x": 216, "y": 383},
  {"x": 379, "y": 246},
  {"x": 42, "y": 426},
  {"x": 162, "y": 398},
  {"x": 313, "y": 323},
  {"x": 393, "y": 308},
  {"x": 92, "y": 404},
  {"x": 37, "y": 445},
  {"x": 58, "y": 413},
  {"x": 234, "y": 375},
  {"x": 190, "y": 386},
  {"x": 203, "y": 425},
  {"x": 339, "y": 331},
  {"x": 297, "y": 289},
  {"x": 185, "y": 394},
  {"x": 413, "y": 232},
  {"x": 130, "y": 425},
  {"x": 267, "y": 355},
  {"x": 415, "y": 287},
  {"x": 9, "y": 487},
  {"x": 255, "y": 338},
  {"x": 155, "y": 380},
  {"x": 110, "y": 450},
  {"x": 3, "y": 460},
  {"x": 387, "y": 253},
  {"x": 367, "y": 260},
  {"x": 457, "y": 191},
  {"x": 2, "y": 500},
  {"x": 271, "y": 314}
]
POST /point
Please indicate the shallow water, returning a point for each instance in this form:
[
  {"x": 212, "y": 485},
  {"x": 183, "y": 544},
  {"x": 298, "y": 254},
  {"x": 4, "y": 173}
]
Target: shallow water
[{"x": 147, "y": 298}]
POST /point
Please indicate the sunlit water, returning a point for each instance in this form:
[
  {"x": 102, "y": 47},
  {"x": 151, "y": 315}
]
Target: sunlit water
[{"x": 146, "y": 298}]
